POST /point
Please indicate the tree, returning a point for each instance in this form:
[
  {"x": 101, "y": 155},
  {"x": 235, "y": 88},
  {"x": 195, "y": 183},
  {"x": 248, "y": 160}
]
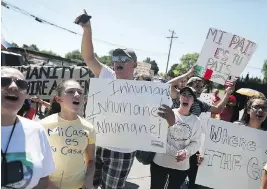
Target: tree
[
  {"x": 154, "y": 65},
  {"x": 106, "y": 60},
  {"x": 186, "y": 62},
  {"x": 264, "y": 71},
  {"x": 14, "y": 45},
  {"x": 49, "y": 52},
  {"x": 76, "y": 55}
]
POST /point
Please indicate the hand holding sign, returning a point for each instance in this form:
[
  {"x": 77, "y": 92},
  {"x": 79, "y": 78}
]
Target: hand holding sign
[{"x": 167, "y": 113}]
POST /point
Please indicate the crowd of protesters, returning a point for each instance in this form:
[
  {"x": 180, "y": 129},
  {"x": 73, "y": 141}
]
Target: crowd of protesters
[{"x": 30, "y": 149}]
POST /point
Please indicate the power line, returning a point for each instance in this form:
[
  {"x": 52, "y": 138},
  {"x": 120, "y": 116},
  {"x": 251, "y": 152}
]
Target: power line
[
  {"x": 172, "y": 37},
  {"x": 40, "y": 20}
]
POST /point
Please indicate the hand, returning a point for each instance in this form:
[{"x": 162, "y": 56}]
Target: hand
[
  {"x": 192, "y": 71},
  {"x": 86, "y": 25},
  {"x": 167, "y": 113},
  {"x": 230, "y": 89},
  {"x": 200, "y": 159},
  {"x": 35, "y": 99},
  {"x": 181, "y": 156}
]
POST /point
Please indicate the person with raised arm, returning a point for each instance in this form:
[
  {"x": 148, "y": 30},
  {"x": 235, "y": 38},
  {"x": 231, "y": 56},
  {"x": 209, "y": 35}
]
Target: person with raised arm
[
  {"x": 112, "y": 164},
  {"x": 197, "y": 108}
]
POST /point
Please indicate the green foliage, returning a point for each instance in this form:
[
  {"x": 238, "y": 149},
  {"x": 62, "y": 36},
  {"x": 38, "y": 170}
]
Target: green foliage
[
  {"x": 154, "y": 65},
  {"x": 186, "y": 62},
  {"x": 264, "y": 71},
  {"x": 75, "y": 55},
  {"x": 106, "y": 60},
  {"x": 49, "y": 52},
  {"x": 14, "y": 45}
]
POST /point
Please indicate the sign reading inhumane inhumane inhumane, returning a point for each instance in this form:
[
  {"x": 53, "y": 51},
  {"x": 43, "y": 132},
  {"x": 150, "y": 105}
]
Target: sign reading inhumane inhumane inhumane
[
  {"x": 234, "y": 156},
  {"x": 43, "y": 80},
  {"x": 224, "y": 56},
  {"x": 124, "y": 113}
]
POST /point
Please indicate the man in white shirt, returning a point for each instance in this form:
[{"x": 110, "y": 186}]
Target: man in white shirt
[{"x": 112, "y": 164}]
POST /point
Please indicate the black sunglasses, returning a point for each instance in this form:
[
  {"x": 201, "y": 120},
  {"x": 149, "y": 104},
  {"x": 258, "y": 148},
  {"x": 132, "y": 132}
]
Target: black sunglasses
[{"x": 6, "y": 81}]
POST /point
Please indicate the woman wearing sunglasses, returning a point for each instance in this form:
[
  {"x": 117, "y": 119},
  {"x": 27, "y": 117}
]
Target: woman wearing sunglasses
[
  {"x": 170, "y": 170},
  {"x": 25, "y": 152}
]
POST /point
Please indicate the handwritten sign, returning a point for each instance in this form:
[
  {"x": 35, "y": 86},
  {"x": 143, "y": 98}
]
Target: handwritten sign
[
  {"x": 224, "y": 56},
  {"x": 43, "y": 80},
  {"x": 124, "y": 113},
  {"x": 234, "y": 155},
  {"x": 142, "y": 68}
]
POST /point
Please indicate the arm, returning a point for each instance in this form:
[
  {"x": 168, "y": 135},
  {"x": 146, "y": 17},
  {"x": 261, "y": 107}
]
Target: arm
[
  {"x": 88, "y": 49},
  {"x": 46, "y": 104},
  {"x": 219, "y": 107},
  {"x": 90, "y": 161},
  {"x": 176, "y": 81},
  {"x": 43, "y": 183},
  {"x": 264, "y": 180}
]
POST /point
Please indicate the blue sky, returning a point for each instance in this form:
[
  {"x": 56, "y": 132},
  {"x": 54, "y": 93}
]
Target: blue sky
[{"x": 142, "y": 25}]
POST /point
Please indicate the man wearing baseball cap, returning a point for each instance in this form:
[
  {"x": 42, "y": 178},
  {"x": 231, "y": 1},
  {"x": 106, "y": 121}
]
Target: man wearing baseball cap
[
  {"x": 112, "y": 164},
  {"x": 197, "y": 108}
]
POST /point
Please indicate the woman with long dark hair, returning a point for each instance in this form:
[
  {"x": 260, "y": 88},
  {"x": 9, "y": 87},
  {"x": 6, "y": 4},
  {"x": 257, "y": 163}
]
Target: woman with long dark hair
[
  {"x": 72, "y": 139},
  {"x": 255, "y": 112}
]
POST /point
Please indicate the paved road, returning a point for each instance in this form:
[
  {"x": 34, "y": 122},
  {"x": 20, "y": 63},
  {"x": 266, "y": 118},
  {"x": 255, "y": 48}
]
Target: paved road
[{"x": 139, "y": 176}]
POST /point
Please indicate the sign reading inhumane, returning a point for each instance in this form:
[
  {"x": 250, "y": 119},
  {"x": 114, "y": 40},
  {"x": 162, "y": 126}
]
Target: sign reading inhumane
[
  {"x": 124, "y": 113},
  {"x": 224, "y": 56},
  {"x": 43, "y": 80},
  {"x": 234, "y": 155}
]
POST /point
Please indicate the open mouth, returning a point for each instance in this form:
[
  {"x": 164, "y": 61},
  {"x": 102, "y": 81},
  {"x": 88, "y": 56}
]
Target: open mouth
[
  {"x": 185, "y": 104},
  {"x": 12, "y": 98},
  {"x": 119, "y": 68},
  {"x": 259, "y": 116},
  {"x": 76, "y": 103}
]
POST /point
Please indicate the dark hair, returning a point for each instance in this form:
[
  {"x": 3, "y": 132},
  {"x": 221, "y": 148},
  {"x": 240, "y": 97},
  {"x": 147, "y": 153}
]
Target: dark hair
[
  {"x": 246, "y": 117},
  {"x": 55, "y": 106}
]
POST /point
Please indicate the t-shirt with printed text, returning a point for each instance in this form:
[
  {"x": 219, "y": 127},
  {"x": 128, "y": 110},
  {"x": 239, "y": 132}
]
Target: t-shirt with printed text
[
  {"x": 183, "y": 135},
  {"x": 68, "y": 140},
  {"x": 29, "y": 145}
]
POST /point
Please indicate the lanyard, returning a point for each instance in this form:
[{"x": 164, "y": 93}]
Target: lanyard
[{"x": 11, "y": 134}]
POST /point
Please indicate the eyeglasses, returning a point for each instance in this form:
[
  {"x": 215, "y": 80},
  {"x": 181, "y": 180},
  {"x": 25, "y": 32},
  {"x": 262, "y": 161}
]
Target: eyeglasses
[
  {"x": 258, "y": 107},
  {"x": 6, "y": 81},
  {"x": 120, "y": 59},
  {"x": 73, "y": 91}
]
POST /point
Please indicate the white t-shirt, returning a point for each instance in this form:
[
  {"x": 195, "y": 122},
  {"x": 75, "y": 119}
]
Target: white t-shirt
[
  {"x": 28, "y": 144},
  {"x": 184, "y": 135},
  {"x": 108, "y": 73}
]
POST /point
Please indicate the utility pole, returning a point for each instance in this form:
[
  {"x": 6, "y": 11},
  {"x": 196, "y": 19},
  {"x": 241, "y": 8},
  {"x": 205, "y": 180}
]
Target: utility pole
[{"x": 172, "y": 37}]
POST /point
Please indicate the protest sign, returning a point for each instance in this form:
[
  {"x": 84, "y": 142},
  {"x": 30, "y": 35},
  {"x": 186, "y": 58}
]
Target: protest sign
[
  {"x": 224, "y": 56},
  {"x": 43, "y": 80},
  {"x": 142, "y": 68},
  {"x": 234, "y": 156},
  {"x": 204, "y": 116},
  {"x": 124, "y": 113}
]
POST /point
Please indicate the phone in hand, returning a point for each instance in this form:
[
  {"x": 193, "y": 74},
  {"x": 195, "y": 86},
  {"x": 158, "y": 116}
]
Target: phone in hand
[{"x": 83, "y": 19}]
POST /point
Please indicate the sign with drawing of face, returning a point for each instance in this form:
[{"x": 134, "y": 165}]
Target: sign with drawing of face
[{"x": 224, "y": 56}]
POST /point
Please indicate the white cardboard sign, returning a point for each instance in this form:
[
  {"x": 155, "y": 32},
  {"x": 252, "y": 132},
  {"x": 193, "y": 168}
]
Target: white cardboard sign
[
  {"x": 234, "y": 156},
  {"x": 124, "y": 113},
  {"x": 224, "y": 56}
]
